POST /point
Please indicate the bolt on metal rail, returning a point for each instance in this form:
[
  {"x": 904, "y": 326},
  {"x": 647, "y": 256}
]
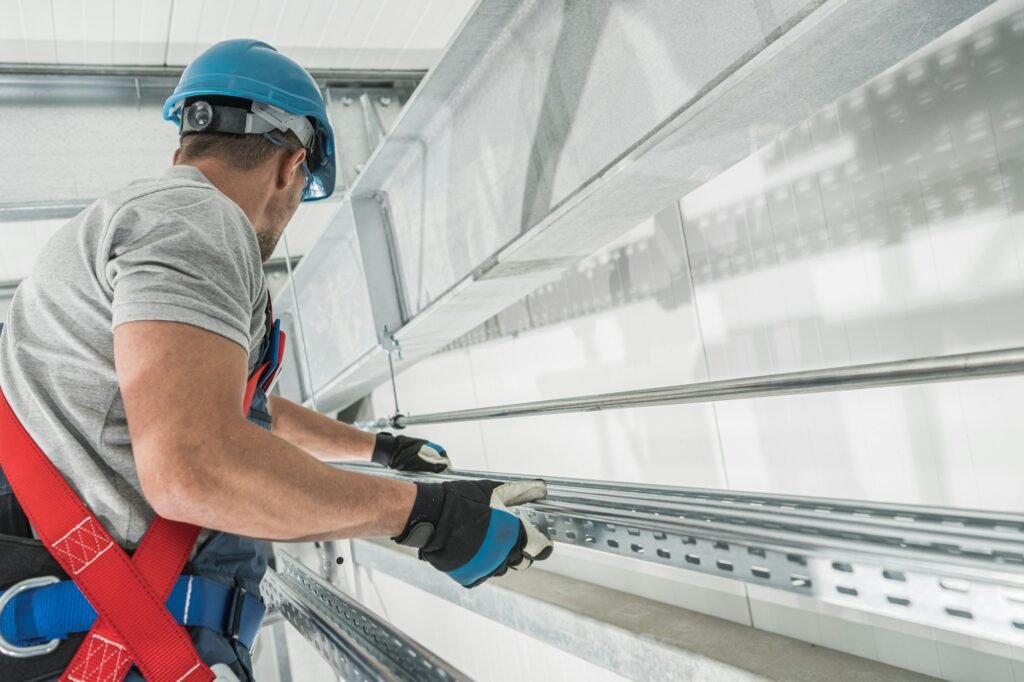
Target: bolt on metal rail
[
  {"x": 954, "y": 569},
  {"x": 978, "y": 365}
]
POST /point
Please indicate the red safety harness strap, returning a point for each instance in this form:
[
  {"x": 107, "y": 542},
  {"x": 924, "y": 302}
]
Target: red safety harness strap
[
  {"x": 118, "y": 590},
  {"x": 160, "y": 557}
]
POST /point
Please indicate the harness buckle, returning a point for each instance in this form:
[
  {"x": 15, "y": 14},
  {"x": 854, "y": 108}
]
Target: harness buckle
[
  {"x": 26, "y": 651},
  {"x": 234, "y": 624}
]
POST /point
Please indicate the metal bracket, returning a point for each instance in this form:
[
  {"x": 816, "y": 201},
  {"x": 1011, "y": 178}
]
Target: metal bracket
[{"x": 392, "y": 346}]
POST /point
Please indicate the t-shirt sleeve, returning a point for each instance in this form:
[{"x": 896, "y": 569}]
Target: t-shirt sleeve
[{"x": 198, "y": 265}]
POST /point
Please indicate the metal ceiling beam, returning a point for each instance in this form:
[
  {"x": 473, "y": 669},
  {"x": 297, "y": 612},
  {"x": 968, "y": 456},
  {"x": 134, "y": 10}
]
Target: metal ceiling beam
[
  {"x": 542, "y": 135},
  {"x": 325, "y": 77},
  {"x": 7, "y": 289},
  {"x": 43, "y": 210}
]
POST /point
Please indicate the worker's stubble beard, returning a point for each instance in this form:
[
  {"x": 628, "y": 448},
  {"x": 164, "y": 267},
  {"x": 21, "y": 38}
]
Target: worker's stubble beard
[{"x": 277, "y": 220}]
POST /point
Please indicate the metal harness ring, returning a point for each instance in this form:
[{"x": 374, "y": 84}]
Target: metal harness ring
[{"x": 36, "y": 649}]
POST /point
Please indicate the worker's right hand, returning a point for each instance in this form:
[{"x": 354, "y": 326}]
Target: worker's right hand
[{"x": 464, "y": 529}]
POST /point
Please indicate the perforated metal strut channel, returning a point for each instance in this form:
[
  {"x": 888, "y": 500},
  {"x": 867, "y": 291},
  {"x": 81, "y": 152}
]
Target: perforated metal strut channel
[
  {"x": 357, "y": 644},
  {"x": 948, "y": 568}
]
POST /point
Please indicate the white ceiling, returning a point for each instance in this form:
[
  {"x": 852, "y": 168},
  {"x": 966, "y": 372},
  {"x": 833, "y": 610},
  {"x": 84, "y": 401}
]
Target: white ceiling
[{"x": 340, "y": 34}]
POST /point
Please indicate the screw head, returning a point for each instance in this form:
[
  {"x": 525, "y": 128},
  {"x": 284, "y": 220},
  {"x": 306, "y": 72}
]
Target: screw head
[{"x": 385, "y": 101}]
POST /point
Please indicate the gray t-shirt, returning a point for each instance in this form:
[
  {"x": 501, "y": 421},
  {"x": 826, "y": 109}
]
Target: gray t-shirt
[{"x": 171, "y": 248}]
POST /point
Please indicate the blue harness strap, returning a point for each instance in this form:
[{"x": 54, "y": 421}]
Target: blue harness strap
[{"x": 58, "y": 610}]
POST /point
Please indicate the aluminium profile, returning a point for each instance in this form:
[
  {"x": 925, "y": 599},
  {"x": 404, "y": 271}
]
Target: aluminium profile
[{"x": 960, "y": 570}]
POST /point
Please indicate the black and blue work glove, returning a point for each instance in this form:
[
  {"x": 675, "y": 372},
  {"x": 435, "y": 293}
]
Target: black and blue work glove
[
  {"x": 464, "y": 529},
  {"x": 409, "y": 454}
]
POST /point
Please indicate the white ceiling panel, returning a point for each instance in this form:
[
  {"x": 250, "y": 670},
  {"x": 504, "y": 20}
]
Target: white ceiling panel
[
  {"x": 84, "y": 31},
  {"x": 336, "y": 29},
  {"x": 392, "y": 30},
  {"x": 140, "y": 31},
  {"x": 432, "y": 34},
  {"x": 284, "y": 33},
  {"x": 415, "y": 28},
  {"x": 183, "y": 32},
  {"x": 36, "y": 24},
  {"x": 346, "y": 42},
  {"x": 343, "y": 34},
  {"x": 12, "y": 37},
  {"x": 313, "y": 30},
  {"x": 368, "y": 37}
]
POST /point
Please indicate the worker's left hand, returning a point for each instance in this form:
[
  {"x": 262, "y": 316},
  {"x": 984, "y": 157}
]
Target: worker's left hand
[{"x": 409, "y": 454}]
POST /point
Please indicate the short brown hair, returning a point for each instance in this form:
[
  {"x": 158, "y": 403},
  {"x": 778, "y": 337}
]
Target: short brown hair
[{"x": 242, "y": 152}]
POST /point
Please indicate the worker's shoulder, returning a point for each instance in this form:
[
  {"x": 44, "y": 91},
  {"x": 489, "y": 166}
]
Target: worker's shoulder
[
  {"x": 176, "y": 195},
  {"x": 179, "y": 210}
]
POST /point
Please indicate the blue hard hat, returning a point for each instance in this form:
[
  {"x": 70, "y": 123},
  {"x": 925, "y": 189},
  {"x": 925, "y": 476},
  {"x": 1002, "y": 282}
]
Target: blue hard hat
[{"x": 252, "y": 70}]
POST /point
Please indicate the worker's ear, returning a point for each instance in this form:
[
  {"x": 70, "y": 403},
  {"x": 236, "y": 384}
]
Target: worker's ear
[
  {"x": 287, "y": 168},
  {"x": 174, "y": 159}
]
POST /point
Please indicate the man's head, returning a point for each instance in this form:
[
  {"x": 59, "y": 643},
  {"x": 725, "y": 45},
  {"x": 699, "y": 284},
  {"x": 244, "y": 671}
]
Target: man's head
[
  {"x": 264, "y": 173},
  {"x": 254, "y": 122}
]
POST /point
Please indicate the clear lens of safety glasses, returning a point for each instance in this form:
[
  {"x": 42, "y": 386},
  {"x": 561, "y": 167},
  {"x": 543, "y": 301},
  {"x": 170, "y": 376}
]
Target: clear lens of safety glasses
[{"x": 312, "y": 183}]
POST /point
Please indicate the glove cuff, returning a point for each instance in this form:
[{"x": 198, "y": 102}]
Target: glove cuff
[
  {"x": 426, "y": 512},
  {"x": 384, "y": 448}
]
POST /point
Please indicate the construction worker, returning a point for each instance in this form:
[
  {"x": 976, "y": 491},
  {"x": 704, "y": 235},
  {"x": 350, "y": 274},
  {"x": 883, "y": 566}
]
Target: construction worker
[{"x": 126, "y": 355}]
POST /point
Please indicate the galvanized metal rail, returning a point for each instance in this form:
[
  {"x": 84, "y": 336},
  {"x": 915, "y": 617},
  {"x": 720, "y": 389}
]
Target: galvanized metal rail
[
  {"x": 948, "y": 568},
  {"x": 357, "y": 644},
  {"x": 874, "y": 375},
  {"x": 324, "y": 77}
]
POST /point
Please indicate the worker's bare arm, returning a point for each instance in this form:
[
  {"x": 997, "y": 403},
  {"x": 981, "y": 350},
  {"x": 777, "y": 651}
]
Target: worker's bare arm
[
  {"x": 323, "y": 437},
  {"x": 200, "y": 461}
]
